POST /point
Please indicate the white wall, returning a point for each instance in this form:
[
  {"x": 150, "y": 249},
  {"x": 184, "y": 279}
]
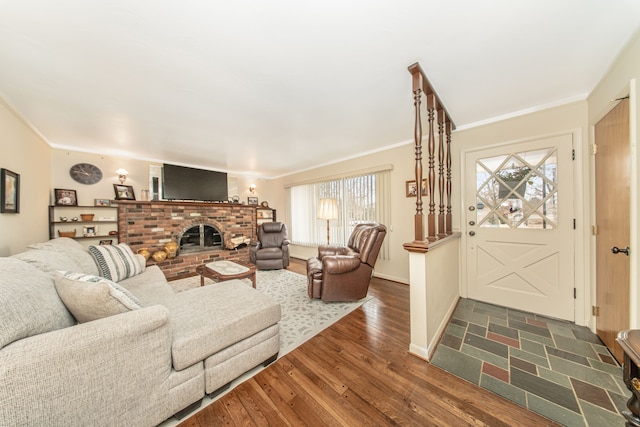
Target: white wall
[{"x": 23, "y": 151}]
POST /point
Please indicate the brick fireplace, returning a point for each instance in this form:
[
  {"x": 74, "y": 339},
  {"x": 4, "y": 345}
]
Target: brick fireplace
[{"x": 153, "y": 224}]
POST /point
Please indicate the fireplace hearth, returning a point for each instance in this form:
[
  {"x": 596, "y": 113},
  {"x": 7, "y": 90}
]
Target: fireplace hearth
[{"x": 198, "y": 238}]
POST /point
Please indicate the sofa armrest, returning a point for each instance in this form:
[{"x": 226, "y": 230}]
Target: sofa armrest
[{"x": 112, "y": 370}]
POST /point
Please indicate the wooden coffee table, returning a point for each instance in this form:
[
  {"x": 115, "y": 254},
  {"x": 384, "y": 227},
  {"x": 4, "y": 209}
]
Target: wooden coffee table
[{"x": 226, "y": 270}]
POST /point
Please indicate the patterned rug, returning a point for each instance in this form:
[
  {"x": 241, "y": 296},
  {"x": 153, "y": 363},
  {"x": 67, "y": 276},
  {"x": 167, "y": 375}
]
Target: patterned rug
[{"x": 302, "y": 318}]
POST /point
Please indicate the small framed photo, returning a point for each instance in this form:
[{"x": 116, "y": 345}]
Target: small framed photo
[
  {"x": 90, "y": 230},
  {"x": 102, "y": 202},
  {"x": 106, "y": 242},
  {"x": 9, "y": 191},
  {"x": 124, "y": 192},
  {"x": 252, "y": 200},
  {"x": 412, "y": 188},
  {"x": 65, "y": 197}
]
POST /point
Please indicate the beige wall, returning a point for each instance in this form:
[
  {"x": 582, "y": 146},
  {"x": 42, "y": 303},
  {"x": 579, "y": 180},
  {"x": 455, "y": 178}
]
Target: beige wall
[
  {"x": 621, "y": 80},
  {"x": 23, "y": 151},
  {"x": 400, "y": 230}
]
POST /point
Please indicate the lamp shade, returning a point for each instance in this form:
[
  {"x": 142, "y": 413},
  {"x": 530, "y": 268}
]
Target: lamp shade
[{"x": 328, "y": 209}]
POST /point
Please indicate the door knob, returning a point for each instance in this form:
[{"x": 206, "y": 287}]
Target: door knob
[
  {"x": 472, "y": 233},
  {"x": 617, "y": 250},
  {"x": 472, "y": 223},
  {"x": 472, "y": 208}
]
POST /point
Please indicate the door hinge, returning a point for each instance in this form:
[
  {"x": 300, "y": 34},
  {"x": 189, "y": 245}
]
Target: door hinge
[
  {"x": 573, "y": 154},
  {"x": 575, "y": 293},
  {"x": 595, "y": 310},
  {"x": 594, "y": 230},
  {"x": 574, "y": 223},
  {"x": 594, "y": 149}
]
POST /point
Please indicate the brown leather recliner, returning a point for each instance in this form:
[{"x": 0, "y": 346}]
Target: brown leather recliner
[
  {"x": 343, "y": 273},
  {"x": 271, "y": 251}
]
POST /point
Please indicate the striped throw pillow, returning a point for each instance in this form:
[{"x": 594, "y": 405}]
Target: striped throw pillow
[{"x": 116, "y": 262}]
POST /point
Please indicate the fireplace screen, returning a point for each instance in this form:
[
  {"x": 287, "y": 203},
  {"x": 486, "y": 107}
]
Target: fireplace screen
[{"x": 201, "y": 237}]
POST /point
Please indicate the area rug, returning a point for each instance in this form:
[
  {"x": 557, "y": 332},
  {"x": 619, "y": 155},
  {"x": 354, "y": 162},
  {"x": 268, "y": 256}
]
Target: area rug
[{"x": 302, "y": 318}]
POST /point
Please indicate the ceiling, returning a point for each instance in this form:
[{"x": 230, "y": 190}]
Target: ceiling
[{"x": 268, "y": 88}]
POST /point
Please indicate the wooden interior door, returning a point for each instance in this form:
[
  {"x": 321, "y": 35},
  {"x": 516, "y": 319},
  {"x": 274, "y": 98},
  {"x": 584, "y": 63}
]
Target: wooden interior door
[{"x": 612, "y": 169}]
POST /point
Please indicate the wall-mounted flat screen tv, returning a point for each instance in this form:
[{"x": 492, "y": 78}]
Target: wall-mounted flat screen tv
[{"x": 184, "y": 183}]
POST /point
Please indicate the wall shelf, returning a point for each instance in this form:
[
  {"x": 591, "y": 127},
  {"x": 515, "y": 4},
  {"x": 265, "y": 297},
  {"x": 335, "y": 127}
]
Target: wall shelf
[{"x": 110, "y": 213}]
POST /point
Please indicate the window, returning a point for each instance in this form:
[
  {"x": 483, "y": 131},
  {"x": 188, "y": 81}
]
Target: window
[{"x": 360, "y": 198}]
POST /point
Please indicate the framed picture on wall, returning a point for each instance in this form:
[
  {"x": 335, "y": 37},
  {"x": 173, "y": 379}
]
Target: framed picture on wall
[
  {"x": 65, "y": 197},
  {"x": 412, "y": 188},
  {"x": 9, "y": 191}
]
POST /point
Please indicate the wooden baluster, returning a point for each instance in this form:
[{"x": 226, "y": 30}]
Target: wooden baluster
[
  {"x": 417, "y": 136},
  {"x": 442, "y": 232},
  {"x": 431, "y": 218},
  {"x": 448, "y": 132}
]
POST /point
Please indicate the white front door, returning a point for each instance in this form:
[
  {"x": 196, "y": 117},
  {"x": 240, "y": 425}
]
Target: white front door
[{"x": 519, "y": 225}]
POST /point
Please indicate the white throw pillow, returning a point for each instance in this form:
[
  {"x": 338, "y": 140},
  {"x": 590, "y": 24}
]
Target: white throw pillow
[
  {"x": 91, "y": 297},
  {"x": 116, "y": 262}
]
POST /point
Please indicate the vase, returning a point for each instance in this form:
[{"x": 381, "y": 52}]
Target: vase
[
  {"x": 159, "y": 256},
  {"x": 171, "y": 249},
  {"x": 145, "y": 253}
]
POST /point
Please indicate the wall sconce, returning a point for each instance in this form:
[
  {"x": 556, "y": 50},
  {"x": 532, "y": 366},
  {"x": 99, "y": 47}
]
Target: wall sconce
[
  {"x": 252, "y": 188},
  {"x": 122, "y": 175}
]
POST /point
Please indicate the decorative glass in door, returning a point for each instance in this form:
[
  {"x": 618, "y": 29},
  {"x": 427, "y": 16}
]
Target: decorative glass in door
[{"x": 518, "y": 190}]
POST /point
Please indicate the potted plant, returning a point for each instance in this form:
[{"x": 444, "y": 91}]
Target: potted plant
[{"x": 511, "y": 178}]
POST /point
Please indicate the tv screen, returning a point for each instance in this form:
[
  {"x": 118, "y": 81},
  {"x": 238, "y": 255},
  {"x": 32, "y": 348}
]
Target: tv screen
[{"x": 184, "y": 183}]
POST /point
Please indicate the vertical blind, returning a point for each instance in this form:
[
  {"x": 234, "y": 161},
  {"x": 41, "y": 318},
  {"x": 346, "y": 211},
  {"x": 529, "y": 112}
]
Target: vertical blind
[{"x": 360, "y": 198}]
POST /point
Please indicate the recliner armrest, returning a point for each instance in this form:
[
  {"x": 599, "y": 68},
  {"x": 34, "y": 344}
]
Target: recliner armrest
[
  {"x": 340, "y": 264},
  {"x": 325, "y": 250}
]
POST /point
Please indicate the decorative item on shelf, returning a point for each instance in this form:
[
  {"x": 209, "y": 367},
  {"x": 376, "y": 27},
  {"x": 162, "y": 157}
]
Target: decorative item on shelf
[
  {"x": 144, "y": 195},
  {"x": 159, "y": 256},
  {"x": 64, "y": 219},
  {"x": 65, "y": 197},
  {"x": 252, "y": 200},
  {"x": 86, "y": 217},
  {"x": 102, "y": 202},
  {"x": 67, "y": 233},
  {"x": 90, "y": 231},
  {"x": 113, "y": 233},
  {"x": 171, "y": 249},
  {"x": 145, "y": 253},
  {"x": 265, "y": 204},
  {"x": 124, "y": 192},
  {"x": 235, "y": 199},
  {"x": 122, "y": 175},
  {"x": 106, "y": 242},
  {"x": 75, "y": 219}
]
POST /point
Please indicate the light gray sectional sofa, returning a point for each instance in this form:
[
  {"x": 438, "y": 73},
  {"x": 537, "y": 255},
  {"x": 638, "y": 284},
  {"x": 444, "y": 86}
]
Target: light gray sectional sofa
[{"x": 158, "y": 356}]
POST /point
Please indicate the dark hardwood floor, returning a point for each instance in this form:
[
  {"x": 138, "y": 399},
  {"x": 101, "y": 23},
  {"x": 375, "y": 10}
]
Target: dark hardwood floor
[{"x": 359, "y": 372}]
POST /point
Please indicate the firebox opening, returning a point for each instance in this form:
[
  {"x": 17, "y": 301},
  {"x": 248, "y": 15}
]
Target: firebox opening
[{"x": 201, "y": 237}]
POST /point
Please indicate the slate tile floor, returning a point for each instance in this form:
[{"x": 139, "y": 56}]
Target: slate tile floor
[{"x": 555, "y": 368}]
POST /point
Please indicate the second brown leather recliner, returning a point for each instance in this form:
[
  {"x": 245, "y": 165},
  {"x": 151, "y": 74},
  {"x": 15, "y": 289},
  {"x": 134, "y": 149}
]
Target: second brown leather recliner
[{"x": 343, "y": 273}]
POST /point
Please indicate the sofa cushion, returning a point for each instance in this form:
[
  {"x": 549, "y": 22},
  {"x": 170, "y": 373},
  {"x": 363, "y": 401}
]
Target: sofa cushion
[
  {"x": 208, "y": 319},
  {"x": 150, "y": 287},
  {"x": 30, "y": 304},
  {"x": 116, "y": 262},
  {"x": 72, "y": 250},
  {"x": 93, "y": 297}
]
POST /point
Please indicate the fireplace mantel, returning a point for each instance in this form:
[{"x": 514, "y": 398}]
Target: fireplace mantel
[{"x": 152, "y": 224}]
